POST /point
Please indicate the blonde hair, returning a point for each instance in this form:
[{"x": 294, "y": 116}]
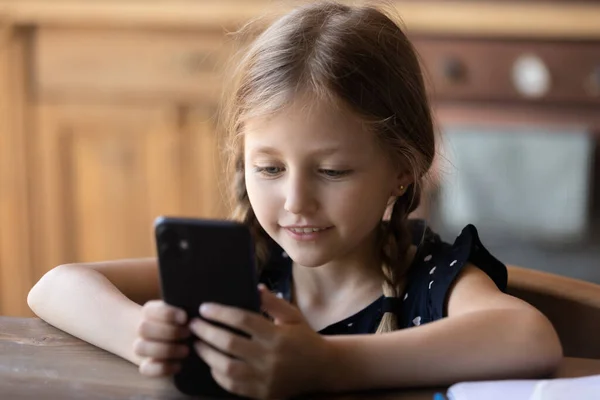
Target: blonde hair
[{"x": 353, "y": 57}]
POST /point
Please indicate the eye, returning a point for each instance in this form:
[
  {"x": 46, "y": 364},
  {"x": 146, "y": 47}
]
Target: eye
[
  {"x": 269, "y": 170},
  {"x": 334, "y": 173}
]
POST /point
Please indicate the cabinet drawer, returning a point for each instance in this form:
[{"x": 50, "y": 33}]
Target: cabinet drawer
[
  {"x": 489, "y": 70},
  {"x": 122, "y": 63}
]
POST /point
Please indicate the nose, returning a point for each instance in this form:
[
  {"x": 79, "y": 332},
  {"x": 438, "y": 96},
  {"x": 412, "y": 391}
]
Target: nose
[{"x": 299, "y": 195}]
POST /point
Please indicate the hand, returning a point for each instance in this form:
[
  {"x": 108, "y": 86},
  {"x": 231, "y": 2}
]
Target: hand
[
  {"x": 282, "y": 358},
  {"x": 160, "y": 333}
]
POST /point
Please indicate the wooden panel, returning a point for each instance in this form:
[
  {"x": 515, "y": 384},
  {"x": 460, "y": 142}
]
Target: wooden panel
[
  {"x": 486, "y": 70},
  {"x": 204, "y": 184},
  {"x": 123, "y": 64},
  {"x": 573, "y": 19},
  {"x": 105, "y": 173},
  {"x": 15, "y": 266}
]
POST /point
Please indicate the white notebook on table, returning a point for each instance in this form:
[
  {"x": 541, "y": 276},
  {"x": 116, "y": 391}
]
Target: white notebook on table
[{"x": 585, "y": 388}]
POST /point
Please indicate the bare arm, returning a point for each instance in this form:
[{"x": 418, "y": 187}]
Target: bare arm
[
  {"x": 487, "y": 335},
  {"x": 98, "y": 302}
]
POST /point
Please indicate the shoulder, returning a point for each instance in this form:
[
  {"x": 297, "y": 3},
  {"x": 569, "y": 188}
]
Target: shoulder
[
  {"x": 474, "y": 290},
  {"x": 437, "y": 268}
]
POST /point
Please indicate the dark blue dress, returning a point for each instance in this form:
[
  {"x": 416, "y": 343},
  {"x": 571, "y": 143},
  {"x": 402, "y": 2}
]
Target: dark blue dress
[{"x": 435, "y": 267}]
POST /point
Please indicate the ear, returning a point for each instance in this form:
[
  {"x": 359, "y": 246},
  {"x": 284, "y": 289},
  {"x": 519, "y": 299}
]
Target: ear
[{"x": 402, "y": 182}]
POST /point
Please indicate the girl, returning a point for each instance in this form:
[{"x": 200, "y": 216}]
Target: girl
[{"x": 330, "y": 127}]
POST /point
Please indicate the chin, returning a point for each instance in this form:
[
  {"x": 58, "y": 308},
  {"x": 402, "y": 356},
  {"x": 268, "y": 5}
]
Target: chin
[
  {"x": 308, "y": 257},
  {"x": 309, "y": 262}
]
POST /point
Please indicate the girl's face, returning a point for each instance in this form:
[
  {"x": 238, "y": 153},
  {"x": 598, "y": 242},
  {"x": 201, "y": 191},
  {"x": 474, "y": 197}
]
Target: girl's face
[{"x": 317, "y": 182}]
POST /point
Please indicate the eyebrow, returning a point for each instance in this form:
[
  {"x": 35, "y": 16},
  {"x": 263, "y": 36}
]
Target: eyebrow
[{"x": 273, "y": 151}]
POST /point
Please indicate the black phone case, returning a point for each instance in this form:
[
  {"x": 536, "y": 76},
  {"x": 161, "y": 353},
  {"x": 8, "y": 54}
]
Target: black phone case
[{"x": 205, "y": 261}]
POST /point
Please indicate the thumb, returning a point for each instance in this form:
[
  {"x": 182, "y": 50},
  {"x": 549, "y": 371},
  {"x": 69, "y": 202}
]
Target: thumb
[{"x": 279, "y": 309}]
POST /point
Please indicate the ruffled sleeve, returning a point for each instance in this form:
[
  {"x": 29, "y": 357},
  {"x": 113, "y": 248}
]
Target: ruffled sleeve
[{"x": 435, "y": 269}]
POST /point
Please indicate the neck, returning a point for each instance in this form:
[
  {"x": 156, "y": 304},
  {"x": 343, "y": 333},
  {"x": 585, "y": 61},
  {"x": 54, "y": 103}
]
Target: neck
[{"x": 356, "y": 273}]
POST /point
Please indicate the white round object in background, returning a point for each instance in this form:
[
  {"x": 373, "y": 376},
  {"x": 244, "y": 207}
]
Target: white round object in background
[{"x": 531, "y": 76}]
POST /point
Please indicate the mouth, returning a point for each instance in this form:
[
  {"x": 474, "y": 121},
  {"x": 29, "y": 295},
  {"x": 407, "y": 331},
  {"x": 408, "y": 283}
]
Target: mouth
[
  {"x": 305, "y": 230},
  {"x": 306, "y": 233}
]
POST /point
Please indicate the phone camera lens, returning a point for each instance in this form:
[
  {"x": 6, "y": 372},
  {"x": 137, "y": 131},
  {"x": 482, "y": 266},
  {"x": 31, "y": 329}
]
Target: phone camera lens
[{"x": 169, "y": 243}]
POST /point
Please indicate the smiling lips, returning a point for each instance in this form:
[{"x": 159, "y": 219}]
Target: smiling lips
[
  {"x": 305, "y": 233},
  {"x": 305, "y": 230}
]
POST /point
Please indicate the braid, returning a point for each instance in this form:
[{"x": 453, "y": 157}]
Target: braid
[
  {"x": 244, "y": 213},
  {"x": 395, "y": 244}
]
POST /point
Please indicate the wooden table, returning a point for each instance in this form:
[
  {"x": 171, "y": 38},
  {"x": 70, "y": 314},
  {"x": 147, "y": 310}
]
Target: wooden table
[{"x": 39, "y": 361}]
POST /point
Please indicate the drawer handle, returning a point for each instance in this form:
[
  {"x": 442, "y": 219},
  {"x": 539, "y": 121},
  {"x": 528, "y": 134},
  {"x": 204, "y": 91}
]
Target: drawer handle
[
  {"x": 531, "y": 76},
  {"x": 593, "y": 82},
  {"x": 453, "y": 70}
]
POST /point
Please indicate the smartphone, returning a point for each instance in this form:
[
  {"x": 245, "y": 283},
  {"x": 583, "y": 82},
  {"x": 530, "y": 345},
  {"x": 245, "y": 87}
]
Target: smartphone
[{"x": 201, "y": 261}]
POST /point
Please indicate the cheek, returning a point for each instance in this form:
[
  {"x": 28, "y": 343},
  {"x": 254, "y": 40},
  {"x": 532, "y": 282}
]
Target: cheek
[
  {"x": 260, "y": 197},
  {"x": 363, "y": 204},
  {"x": 368, "y": 195},
  {"x": 253, "y": 190}
]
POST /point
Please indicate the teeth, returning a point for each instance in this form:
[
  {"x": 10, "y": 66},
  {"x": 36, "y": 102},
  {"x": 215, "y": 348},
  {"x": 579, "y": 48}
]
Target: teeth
[{"x": 306, "y": 230}]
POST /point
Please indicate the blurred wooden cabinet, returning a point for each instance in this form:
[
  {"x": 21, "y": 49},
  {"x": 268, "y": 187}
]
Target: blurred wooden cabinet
[
  {"x": 101, "y": 174},
  {"x": 112, "y": 127},
  {"x": 104, "y": 172}
]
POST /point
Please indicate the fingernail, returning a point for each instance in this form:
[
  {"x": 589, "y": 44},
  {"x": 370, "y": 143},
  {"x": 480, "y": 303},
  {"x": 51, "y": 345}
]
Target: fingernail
[
  {"x": 195, "y": 323},
  {"x": 207, "y": 309},
  {"x": 262, "y": 286},
  {"x": 150, "y": 369}
]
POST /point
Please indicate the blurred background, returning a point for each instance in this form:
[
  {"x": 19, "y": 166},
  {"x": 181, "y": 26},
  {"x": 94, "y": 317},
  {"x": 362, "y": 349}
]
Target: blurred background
[{"x": 108, "y": 119}]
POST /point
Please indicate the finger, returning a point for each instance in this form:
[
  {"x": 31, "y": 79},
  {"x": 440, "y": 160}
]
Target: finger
[
  {"x": 252, "y": 323},
  {"x": 223, "y": 363},
  {"x": 150, "y": 329},
  {"x": 160, "y": 311},
  {"x": 279, "y": 309},
  {"x": 151, "y": 367},
  {"x": 160, "y": 350},
  {"x": 228, "y": 342}
]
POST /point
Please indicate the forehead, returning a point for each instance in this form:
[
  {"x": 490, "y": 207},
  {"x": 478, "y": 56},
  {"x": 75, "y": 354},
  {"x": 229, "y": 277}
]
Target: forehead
[{"x": 308, "y": 123}]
